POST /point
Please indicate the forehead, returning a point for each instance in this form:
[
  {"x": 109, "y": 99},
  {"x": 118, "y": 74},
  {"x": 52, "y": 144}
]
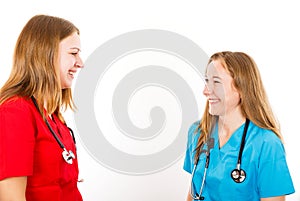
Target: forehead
[
  {"x": 72, "y": 41},
  {"x": 216, "y": 68}
]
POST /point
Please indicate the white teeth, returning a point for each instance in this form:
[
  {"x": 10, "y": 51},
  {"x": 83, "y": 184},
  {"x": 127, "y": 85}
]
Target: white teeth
[
  {"x": 213, "y": 101},
  {"x": 71, "y": 73}
]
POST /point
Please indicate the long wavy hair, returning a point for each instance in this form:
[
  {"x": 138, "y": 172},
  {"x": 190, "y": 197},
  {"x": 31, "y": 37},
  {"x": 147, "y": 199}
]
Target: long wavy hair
[
  {"x": 35, "y": 70},
  {"x": 254, "y": 102}
]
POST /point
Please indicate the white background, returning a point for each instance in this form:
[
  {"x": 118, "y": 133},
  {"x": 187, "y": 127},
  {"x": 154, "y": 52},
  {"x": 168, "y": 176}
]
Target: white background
[{"x": 266, "y": 30}]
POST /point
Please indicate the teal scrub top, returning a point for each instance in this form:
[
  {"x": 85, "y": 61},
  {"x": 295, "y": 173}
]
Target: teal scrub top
[{"x": 263, "y": 160}]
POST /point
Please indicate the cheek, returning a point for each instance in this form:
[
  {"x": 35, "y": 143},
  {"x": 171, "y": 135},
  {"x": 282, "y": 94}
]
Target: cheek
[
  {"x": 220, "y": 92},
  {"x": 233, "y": 99},
  {"x": 63, "y": 70},
  {"x": 65, "y": 65}
]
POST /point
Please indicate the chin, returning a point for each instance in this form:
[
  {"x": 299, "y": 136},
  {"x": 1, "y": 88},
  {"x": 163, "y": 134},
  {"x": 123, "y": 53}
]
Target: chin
[
  {"x": 65, "y": 87},
  {"x": 214, "y": 112}
]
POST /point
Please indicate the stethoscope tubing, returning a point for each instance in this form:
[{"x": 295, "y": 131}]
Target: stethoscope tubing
[
  {"x": 241, "y": 173},
  {"x": 239, "y": 162},
  {"x": 67, "y": 155}
]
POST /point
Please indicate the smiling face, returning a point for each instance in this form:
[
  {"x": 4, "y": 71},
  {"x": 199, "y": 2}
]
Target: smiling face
[
  {"x": 221, "y": 94},
  {"x": 69, "y": 59}
]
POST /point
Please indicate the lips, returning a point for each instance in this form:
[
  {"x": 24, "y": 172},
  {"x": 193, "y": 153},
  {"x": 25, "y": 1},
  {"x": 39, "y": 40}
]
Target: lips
[
  {"x": 72, "y": 72},
  {"x": 212, "y": 101}
]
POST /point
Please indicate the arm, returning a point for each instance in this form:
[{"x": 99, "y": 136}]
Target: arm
[
  {"x": 189, "y": 197},
  {"x": 279, "y": 198},
  {"x": 273, "y": 171},
  {"x": 13, "y": 189}
]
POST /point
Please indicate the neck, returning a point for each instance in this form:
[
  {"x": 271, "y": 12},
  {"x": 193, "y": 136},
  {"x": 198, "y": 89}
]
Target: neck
[{"x": 228, "y": 124}]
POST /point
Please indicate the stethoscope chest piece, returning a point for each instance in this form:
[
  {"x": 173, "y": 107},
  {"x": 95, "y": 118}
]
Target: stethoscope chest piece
[
  {"x": 68, "y": 156},
  {"x": 238, "y": 175}
]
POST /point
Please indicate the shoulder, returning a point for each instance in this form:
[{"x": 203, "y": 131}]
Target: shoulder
[
  {"x": 193, "y": 129},
  {"x": 16, "y": 101},
  {"x": 193, "y": 132},
  {"x": 194, "y": 126},
  {"x": 262, "y": 134},
  {"x": 17, "y": 105},
  {"x": 267, "y": 141}
]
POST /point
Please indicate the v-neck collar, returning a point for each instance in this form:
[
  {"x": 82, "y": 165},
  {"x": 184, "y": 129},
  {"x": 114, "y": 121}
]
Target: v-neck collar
[
  {"x": 233, "y": 143},
  {"x": 229, "y": 149}
]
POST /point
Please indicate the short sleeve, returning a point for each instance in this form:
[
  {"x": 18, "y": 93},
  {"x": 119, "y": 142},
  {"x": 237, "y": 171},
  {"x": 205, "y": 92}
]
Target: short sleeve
[
  {"x": 273, "y": 174},
  {"x": 16, "y": 139},
  {"x": 191, "y": 145}
]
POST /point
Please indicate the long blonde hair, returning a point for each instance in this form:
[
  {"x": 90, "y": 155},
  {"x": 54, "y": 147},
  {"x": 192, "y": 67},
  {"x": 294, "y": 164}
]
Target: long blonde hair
[
  {"x": 254, "y": 102},
  {"x": 35, "y": 69}
]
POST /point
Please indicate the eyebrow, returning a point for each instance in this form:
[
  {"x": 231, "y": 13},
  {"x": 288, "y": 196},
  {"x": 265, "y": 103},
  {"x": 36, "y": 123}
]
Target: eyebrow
[
  {"x": 75, "y": 48},
  {"x": 217, "y": 77}
]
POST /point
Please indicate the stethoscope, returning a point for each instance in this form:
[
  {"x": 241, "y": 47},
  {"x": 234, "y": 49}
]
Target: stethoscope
[
  {"x": 238, "y": 175},
  {"x": 68, "y": 156}
]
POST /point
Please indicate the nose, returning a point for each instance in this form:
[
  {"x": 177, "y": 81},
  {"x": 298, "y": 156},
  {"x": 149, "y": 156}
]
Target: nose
[
  {"x": 207, "y": 90},
  {"x": 79, "y": 63}
]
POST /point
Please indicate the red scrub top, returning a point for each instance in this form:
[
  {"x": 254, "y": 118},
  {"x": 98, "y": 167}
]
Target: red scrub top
[{"x": 27, "y": 148}]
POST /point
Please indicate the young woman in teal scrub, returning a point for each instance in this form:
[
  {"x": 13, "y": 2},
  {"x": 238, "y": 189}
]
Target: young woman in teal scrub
[{"x": 235, "y": 151}]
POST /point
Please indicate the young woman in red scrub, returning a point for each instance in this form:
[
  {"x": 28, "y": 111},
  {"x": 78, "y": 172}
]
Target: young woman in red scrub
[{"x": 38, "y": 160}]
